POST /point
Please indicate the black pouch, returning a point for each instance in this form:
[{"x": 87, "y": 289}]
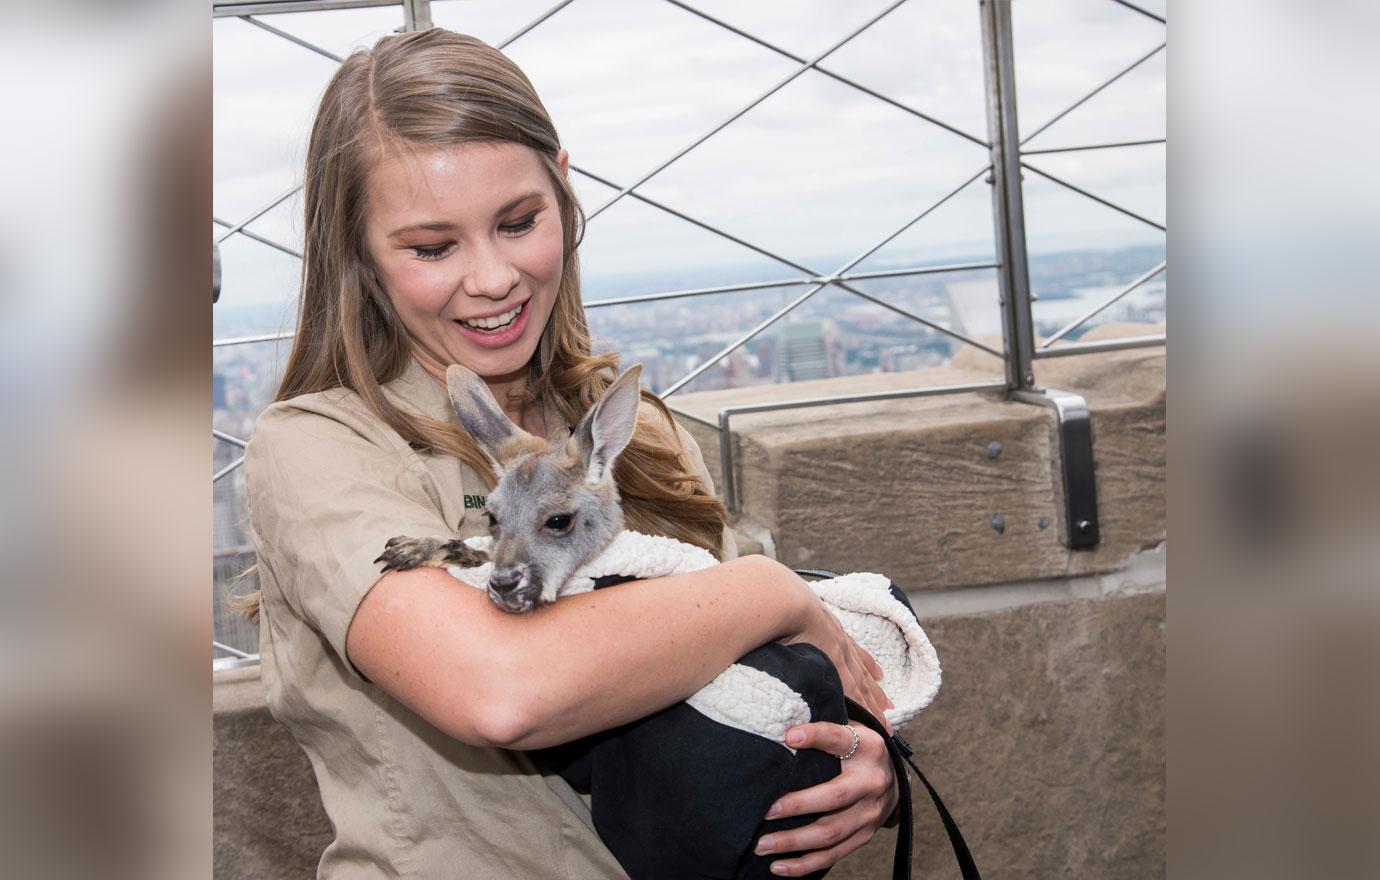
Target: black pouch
[{"x": 680, "y": 796}]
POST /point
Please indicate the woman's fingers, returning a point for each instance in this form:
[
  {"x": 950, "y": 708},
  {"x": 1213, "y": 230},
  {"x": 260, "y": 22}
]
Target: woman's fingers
[
  {"x": 821, "y": 859},
  {"x": 852, "y": 805},
  {"x": 867, "y": 773},
  {"x": 870, "y": 673},
  {"x": 865, "y": 690},
  {"x": 858, "y": 670},
  {"x": 826, "y": 737},
  {"x": 874, "y": 666},
  {"x": 816, "y": 836}
]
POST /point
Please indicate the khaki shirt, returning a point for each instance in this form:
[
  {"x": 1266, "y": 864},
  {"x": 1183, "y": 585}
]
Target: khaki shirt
[{"x": 328, "y": 484}]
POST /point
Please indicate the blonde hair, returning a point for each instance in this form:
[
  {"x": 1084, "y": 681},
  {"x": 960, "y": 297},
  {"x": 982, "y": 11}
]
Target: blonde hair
[{"x": 434, "y": 88}]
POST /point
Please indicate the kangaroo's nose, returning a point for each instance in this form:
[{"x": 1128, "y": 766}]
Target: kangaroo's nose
[{"x": 507, "y": 580}]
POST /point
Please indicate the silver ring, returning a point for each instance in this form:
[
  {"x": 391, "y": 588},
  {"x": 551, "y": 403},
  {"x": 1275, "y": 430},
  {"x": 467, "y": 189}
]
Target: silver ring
[{"x": 856, "y": 741}]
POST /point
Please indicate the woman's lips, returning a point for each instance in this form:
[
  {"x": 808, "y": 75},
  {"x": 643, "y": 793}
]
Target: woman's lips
[{"x": 497, "y": 338}]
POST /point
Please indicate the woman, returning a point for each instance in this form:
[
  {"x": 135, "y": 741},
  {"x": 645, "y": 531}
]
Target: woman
[{"x": 440, "y": 229}]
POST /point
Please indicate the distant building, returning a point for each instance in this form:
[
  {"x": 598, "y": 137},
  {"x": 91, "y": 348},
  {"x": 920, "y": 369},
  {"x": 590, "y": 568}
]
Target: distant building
[
  {"x": 974, "y": 307},
  {"x": 809, "y": 350}
]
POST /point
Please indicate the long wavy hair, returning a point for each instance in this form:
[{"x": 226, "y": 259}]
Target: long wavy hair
[{"x": 437, "y": 88}]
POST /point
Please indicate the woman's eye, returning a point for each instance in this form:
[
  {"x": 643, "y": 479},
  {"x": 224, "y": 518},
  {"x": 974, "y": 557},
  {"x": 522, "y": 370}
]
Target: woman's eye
[
  {"x": 521, "y": 226},
  {"x": 434, "y": 252},
  {"x": 559, "y": 523}
]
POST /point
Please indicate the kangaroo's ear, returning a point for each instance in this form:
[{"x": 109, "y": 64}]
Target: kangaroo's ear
[
  {"x": 478, "y": 411},
  {"x": 608, "y": 426}
]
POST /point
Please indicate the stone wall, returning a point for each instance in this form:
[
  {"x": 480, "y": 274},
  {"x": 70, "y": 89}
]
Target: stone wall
[
  {"x": 1047, "y": 737},
  {"x": 269, "y": 822}
]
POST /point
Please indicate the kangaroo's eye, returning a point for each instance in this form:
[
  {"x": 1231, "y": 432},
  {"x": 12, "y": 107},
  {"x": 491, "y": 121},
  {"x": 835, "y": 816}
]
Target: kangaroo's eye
[
  {"x": 493, "y": 520},
  {"x": 559, "y": 523}
]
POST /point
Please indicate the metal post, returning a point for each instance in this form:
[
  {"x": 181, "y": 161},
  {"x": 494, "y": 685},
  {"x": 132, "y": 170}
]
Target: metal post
[
  {"x": 416, "y": 15},
  {"x": 1008, "y": 211},
  {"x": 1077, "y": 485}
]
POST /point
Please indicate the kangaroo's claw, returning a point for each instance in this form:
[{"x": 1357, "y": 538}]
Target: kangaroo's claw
[{"x": 402, "y": 553}]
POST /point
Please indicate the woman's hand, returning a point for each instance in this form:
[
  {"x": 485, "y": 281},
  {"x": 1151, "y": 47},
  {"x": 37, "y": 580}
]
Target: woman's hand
[
  {"x": 857, "y": 669},
  {"x": 854, "y": 804}
]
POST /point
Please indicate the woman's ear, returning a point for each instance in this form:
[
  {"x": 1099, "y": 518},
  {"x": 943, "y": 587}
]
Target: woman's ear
[{"x": 563, "y": 159}]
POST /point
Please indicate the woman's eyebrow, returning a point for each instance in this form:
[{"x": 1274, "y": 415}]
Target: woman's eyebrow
[{"x": 441, "y": 226}]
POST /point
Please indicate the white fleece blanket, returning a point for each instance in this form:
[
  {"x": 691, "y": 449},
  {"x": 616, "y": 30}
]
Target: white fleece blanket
[{"x": 752, "y": 700}]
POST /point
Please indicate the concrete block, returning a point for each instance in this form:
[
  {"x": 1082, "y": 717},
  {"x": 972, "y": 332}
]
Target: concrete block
[
  {"x": 951, "y": 491},
  {"x": 267, "y": 813},
  {"x": 1047, "y": 743}
]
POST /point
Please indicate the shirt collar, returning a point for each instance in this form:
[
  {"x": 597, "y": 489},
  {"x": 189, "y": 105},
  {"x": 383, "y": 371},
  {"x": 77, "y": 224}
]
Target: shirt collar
[{"x": 421, "y": 392}]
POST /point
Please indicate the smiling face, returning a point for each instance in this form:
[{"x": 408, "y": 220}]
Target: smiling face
[{"x": 467, "y": 242}]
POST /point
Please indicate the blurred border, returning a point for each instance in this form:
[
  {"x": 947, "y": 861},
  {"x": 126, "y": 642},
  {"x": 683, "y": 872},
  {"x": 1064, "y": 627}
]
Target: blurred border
[
  {"x": 105, "y": 269},
  {"x": 1275, "y": 374},
  {"x": 1275, "y": 371}
]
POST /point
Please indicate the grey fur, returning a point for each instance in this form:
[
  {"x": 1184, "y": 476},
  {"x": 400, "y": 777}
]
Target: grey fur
[{"x": 534, "y": 552}]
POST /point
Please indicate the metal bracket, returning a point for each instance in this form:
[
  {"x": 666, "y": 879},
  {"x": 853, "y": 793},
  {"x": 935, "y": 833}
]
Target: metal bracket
[{"x": 1075, "y": 463}]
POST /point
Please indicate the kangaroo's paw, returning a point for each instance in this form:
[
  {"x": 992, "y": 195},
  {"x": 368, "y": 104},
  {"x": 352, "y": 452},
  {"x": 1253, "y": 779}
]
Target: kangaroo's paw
[{"x": 401, "y": 554}]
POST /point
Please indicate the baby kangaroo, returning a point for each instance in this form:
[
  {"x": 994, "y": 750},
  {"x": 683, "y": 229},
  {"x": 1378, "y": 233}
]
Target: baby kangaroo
[{"x": 555, "y": 507}]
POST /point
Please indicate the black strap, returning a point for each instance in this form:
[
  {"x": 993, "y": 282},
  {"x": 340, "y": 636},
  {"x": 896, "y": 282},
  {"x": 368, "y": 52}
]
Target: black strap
[
  {"x": 966, "y": 866},
  {"x": 901, "y": 755},
  {"x": 822, "y": 573}
]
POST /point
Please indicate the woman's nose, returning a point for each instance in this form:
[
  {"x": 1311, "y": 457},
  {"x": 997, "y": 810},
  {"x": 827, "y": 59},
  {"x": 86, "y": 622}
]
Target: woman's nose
[{"x": 489, "y": 274}]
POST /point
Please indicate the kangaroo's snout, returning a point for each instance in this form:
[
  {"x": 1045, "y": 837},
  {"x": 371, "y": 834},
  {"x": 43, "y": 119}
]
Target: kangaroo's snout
[{"x": 514, "y": 589}]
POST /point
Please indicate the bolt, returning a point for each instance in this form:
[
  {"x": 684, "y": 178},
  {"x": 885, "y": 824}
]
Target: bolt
[
  {"x": 1029, "y": 378},
  {"x": 1043, "y": 522},
  {"x": 993, "y": 449},
  {"x": 999, "y": 523},
  {"x": 1084, "y": 526}
]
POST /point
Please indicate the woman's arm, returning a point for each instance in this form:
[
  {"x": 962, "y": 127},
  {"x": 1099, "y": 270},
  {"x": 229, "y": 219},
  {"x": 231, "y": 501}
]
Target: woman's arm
[{"x": 588, "y": 662}]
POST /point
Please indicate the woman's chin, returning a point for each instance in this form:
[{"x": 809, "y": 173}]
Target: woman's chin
[{"x": 508, "y": 363}]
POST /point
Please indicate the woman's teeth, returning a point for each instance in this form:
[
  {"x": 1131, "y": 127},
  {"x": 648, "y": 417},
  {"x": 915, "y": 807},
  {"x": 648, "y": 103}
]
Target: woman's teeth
[{"x": 497, "y": 322}]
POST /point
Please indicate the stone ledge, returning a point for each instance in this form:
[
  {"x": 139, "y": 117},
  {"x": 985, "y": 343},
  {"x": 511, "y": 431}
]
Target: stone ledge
[{"x": 810, "y": 478}]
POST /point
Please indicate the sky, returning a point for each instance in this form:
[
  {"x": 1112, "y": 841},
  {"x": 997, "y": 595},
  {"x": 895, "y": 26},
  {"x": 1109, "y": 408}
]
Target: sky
[{"x": 818, "y": 172}]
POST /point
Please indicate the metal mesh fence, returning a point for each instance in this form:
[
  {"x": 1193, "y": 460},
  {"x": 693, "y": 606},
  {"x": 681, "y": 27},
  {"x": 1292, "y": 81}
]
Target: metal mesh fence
[{"x": 804, "y": 349}]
